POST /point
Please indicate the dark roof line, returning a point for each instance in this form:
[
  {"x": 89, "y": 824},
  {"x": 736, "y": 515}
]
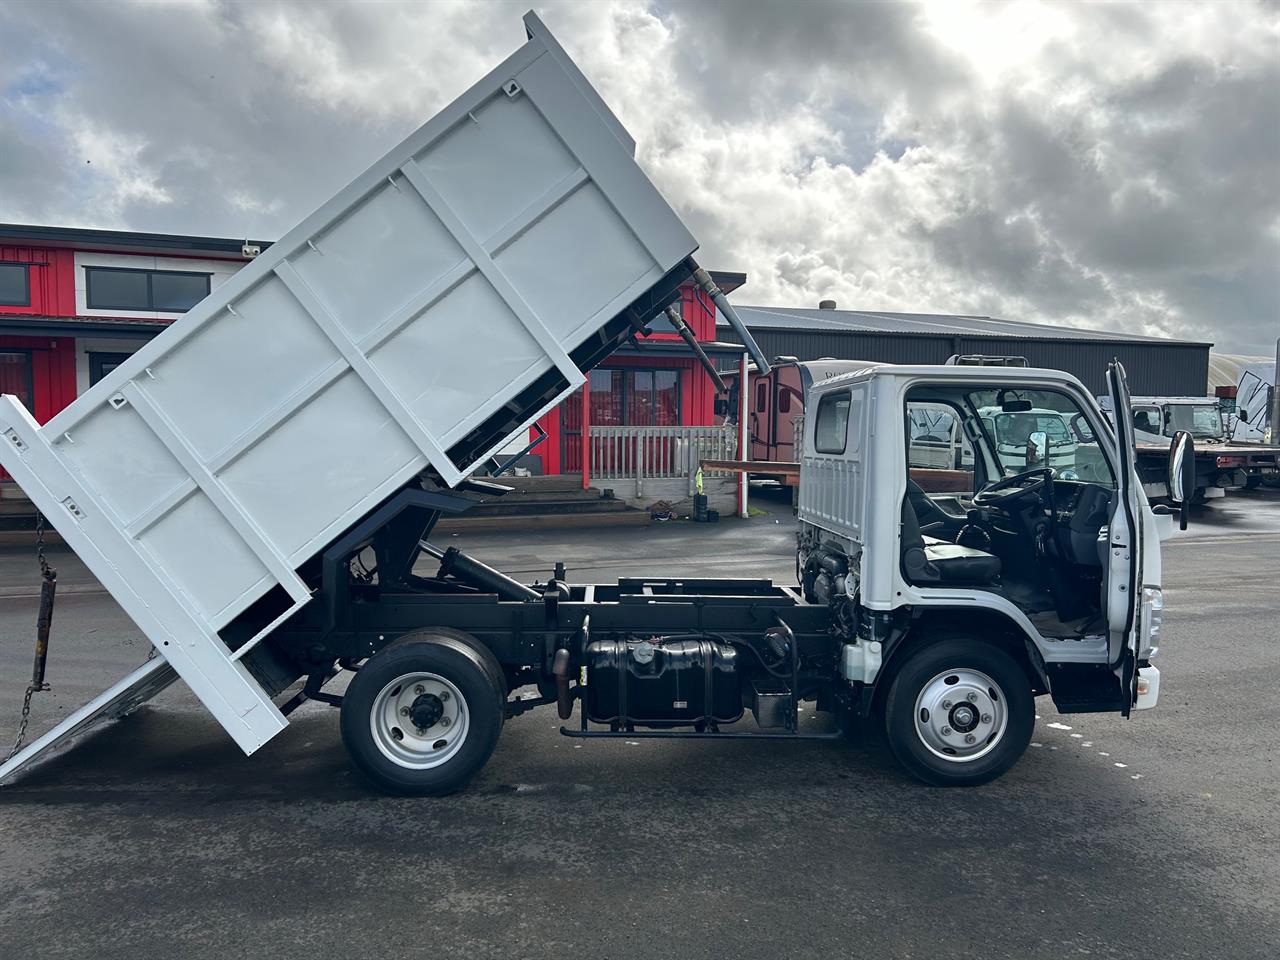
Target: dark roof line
[
  {"x": 971, "y": 326},
  {"x": 71, "y": 236},
  {"x": 83, "y": 236}
]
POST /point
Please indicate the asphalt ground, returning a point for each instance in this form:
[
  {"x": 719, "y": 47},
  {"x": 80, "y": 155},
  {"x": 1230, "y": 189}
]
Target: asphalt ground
[{"x": 1155, "y": 837}]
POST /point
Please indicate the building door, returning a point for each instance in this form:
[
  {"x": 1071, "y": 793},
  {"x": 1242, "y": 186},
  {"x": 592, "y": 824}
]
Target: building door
[
  {"x": 100, "y": 364},
  {"x": 16, "y": 379},
  {"x": 15, "y": 376}
]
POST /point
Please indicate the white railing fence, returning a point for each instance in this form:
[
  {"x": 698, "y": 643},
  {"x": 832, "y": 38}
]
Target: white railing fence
[{"x": 638, "y": 453}]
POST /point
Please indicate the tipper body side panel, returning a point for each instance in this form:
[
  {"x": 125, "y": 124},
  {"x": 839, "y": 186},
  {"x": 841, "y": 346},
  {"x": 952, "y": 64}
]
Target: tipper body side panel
[{"x": 418, "y": 320}]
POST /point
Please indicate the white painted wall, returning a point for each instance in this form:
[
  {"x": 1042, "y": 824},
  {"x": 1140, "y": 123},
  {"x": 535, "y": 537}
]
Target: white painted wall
[{"x": 220, "y": 270}]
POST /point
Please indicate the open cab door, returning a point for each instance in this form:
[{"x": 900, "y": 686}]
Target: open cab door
[{"x": 1124, "y": 547}]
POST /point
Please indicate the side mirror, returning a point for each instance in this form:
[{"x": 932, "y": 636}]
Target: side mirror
[
  {"x": 722, "y": 406},
  {"x": 1182, "y": 474},
  {"x": 1244, "y": 416},
  {"x": 1037, "y": 448}
]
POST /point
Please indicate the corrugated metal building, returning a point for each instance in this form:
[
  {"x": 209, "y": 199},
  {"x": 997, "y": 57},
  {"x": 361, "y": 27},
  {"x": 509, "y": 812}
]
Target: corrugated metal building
[{"x": 1156, "y": 366}]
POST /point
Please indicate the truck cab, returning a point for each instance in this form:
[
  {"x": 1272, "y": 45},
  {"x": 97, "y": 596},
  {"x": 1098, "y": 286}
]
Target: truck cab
[
  {"x": 1223, "y": 465},
  {"x": 1030, "y": 566},
  {"x": 1165, "y": 416}
]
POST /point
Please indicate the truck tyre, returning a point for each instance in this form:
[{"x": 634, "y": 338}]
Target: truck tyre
[
  {"x": 422, "y": 716},
  {"x": 959, "y": 713}
]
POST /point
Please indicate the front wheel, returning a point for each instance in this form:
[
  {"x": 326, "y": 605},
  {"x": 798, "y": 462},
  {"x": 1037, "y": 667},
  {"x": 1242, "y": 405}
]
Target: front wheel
[
  {"x": 959, "y": 713},
  {"x": 422, "y": 716}
]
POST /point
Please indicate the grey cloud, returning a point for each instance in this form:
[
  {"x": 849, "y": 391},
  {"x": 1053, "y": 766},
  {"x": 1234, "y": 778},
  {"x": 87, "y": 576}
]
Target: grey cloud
[{"x": 1126, "y": 178}]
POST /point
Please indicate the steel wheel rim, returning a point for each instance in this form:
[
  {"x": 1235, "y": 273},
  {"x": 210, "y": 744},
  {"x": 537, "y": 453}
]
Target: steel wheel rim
[
  {"x": 391, "y": 721},
  {"x": 961, "y": 715}
]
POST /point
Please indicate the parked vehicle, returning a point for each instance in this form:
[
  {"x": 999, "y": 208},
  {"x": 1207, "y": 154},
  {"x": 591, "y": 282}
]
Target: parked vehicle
[
  {"x": 1032, "y": 436},
  {"x": 1221, "y": 464},
  {"x": 258, "y": 589},
  {"x": 775, "y": 399}
]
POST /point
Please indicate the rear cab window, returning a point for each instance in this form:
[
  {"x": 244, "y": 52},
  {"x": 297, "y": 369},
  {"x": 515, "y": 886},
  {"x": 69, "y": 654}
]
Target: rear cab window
[{"x": 831, "y": 425}]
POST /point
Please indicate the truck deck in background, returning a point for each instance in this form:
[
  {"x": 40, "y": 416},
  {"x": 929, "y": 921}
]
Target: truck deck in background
[{"x": 1222, "y": 464}]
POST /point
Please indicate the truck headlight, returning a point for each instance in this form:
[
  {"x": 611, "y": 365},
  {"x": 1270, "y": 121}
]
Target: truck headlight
[{"x": 1152, "y": 617}]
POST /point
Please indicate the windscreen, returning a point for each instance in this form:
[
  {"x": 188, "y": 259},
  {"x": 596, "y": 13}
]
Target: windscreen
[{"x": 1202, "y": 421}]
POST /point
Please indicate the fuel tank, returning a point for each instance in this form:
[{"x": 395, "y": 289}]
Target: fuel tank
[{"x": 662, "y": 681}]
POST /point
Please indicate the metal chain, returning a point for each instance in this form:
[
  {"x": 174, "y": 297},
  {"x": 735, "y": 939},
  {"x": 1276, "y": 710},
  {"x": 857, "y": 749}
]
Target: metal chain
[
  {"x": 22, "y": 724},
  {"x": 46, "y": 571},
  {"x": 51, "y": 575}
]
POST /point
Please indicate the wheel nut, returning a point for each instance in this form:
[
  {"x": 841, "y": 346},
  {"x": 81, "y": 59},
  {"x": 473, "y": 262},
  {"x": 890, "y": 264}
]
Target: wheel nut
[
  {"x": 444, "y": 721},
  {"x": 444, "y": 694},
  {"x": 969, "y": 738},
  {"x": 404, "y": 711},
  {"x": 946, "y": 731},
  {"x": 419, "y": 689},
  {"x": 946, "y": 704},
  {"x": 986, "y": 718},
  {"x": 972, "y": 698}
]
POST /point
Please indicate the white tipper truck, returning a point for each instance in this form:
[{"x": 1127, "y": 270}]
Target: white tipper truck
[{"x": 264, "y": 513}]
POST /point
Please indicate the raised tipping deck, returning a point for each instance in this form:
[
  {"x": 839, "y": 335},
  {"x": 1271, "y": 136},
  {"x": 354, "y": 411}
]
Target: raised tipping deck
[{"x": 419, "y": 320}]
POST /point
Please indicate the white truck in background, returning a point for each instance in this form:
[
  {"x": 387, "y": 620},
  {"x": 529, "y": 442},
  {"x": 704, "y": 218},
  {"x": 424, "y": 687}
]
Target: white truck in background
[{"x": 1222, "y": 465}]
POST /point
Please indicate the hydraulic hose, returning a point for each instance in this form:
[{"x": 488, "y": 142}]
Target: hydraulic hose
[
  {"x": 686, "y": 334},
  {"x": 703, "y": 279}
]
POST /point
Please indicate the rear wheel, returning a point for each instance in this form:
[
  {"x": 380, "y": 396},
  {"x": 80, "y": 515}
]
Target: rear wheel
[
  {"x": 959, "y": 713},
  {"x": 422, "y": 716}
]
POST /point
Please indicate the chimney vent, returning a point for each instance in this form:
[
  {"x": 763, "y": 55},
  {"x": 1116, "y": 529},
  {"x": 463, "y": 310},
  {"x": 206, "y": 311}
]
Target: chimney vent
[{"x": 826, "y": 304}]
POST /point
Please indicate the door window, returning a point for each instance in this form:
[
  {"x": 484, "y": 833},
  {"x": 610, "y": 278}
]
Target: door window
[
  {"x": 637, "y": 398},
  {"x": 1147, "y": 419},
  {"x": 939, "y": 456},
  {"x": 641, "y": 398}
]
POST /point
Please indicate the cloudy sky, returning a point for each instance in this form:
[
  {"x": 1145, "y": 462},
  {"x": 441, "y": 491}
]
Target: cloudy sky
[{"x": 1106, "y": 165}]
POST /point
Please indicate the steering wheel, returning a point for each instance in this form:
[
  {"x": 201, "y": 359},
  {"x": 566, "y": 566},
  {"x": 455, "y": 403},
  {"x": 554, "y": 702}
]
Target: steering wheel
[{"x": 1015, "y": 489}]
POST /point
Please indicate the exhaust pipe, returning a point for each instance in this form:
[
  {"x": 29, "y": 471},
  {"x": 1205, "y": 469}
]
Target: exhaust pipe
[{"x": 703, "y": 279}]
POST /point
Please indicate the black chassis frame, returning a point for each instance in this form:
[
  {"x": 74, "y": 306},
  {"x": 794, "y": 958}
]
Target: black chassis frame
[{"x": 353, "y": 616}]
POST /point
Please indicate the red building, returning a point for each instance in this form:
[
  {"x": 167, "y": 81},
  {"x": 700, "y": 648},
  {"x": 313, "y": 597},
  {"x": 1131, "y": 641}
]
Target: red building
[
  {"x": 653, "y": 382},
  {"x": 74, "y": 303}
]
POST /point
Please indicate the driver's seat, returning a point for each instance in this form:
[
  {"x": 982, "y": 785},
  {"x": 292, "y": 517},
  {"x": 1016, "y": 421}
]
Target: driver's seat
[{"x": 926, "y": 560}]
